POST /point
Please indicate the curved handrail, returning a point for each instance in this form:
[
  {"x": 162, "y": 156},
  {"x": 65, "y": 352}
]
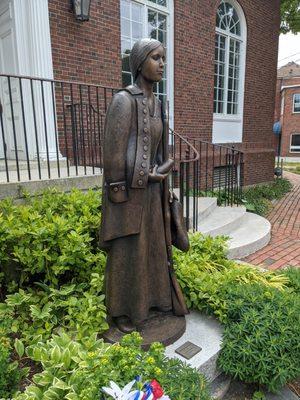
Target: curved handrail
[
  {"x": 191, "y": 147},
  {"x": 216, "y": 144}
]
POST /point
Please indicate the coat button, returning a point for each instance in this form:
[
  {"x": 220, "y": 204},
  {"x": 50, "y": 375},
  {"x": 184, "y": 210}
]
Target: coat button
[
  {"x": 145, "y": 102},
  {"x": 145, "y": 156},
  {"x": 145, "y": 120},
  {"x": 145, "y": 139},
  {"x": 144, "y": 165},
  {"x": 115, "y": 189},
  {"x": 144, "y": 111},
  {"x": 142, "y": 173},
  {"x": 140, "y": 182},
  {"x": 145, "y": 148},
  {"x": 145, "y": 130},
  {"x": 123, "y": 188}
]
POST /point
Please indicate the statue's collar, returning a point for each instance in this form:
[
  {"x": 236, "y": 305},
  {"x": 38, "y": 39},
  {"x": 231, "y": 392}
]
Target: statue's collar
[{"x": 134, "y": 90}]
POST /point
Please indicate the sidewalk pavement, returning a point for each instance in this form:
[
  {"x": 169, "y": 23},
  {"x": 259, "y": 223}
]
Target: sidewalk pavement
[{"x": 284, "y": 247}]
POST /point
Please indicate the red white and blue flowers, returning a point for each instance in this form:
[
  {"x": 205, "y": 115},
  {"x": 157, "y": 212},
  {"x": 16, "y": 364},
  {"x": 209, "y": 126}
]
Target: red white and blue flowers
[{"x": 149, "y": 391}]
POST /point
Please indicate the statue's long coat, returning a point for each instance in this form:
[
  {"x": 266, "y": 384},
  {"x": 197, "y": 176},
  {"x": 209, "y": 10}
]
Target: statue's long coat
[{"x": 127, "y": 157}]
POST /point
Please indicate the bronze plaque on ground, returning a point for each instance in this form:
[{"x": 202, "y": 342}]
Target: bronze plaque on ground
[{"x": 188, "y": 350}]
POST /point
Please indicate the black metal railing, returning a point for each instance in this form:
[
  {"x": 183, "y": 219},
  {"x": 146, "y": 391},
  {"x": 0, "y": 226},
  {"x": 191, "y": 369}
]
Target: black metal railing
[
  {"x": 53, "y": 128},
  {"x": 205, "y": 169},
  {"x": 50, "y": 128}
]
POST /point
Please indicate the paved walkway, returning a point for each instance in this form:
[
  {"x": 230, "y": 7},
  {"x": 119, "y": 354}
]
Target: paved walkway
[{"x": 284, "y": 247}]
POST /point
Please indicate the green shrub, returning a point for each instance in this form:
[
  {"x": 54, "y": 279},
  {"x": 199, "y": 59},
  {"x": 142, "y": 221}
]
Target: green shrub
[
  {"x": 78, "y": 370},
  {"x": 204, "y": 273},
  {"x": 258, "y": 198},
  {"x": 261, "y": 337},
  {"x": 51, "y": 239},
  {"x": 10, "y": 373},
  {"x": 53, "y": 283}
]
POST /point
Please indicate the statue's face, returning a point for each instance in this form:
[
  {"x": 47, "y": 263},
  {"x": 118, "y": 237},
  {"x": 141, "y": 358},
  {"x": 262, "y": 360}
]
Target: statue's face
[{"x": 153, "y": 67}]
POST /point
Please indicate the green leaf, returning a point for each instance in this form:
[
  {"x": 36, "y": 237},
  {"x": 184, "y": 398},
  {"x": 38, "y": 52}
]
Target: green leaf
[
  {"x": 19, "y": 347},
  {"x": 56, "y": 354}
]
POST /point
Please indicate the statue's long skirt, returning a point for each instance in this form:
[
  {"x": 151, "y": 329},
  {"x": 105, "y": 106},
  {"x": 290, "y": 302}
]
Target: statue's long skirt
[{"x": 137, "y": 277}]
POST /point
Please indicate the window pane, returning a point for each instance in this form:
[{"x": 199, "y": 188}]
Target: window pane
[
  {"x": 297, "y": 102},
  {"x": 125, "y": 64},
  {"x": 137, "y": 12},
  {"x": 126, "y": 79},
  {"x": 160, "y": 2},
  {"x": 152, "y": 18},
  {"x": 295, "y": 140},
  {"x": 125, "y": 9},
  {"x": 137, "y": 30},
  {"x": 162, "y": 22},
  {"x": 125, "y": 27},
  {"x": 227, "y": 18},
  {"x": 125, "y": 46}
]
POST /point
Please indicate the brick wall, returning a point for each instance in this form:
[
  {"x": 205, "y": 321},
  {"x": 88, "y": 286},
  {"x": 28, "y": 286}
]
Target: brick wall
[
  {"x": 88, "y": 51},
  {"x": 290, "y": 120},
  {"x": 91, "y": 52}
]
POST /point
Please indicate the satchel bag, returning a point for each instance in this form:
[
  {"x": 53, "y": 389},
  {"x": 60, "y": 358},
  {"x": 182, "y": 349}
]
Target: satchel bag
[{"x": 179, "y": 233}]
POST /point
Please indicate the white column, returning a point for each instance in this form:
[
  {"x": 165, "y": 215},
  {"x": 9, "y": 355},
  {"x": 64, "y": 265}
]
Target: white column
[{"x": 35, "y": 59}]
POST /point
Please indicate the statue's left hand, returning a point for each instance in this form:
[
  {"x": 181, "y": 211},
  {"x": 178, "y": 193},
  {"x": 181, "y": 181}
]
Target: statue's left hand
[
  {"x": 156, "y": 176},
  {"x": 166, "y": 167}
]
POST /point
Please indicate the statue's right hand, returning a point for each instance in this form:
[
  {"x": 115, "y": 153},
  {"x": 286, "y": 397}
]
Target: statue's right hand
[{"x": 155, "y": 176}]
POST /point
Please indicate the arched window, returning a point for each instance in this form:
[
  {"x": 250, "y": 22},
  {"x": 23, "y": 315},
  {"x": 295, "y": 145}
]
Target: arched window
[
  {"x": 230, "y": 51},
  {"x": 148, "y": 18}
]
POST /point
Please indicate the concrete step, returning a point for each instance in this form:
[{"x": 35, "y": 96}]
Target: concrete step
[
  {"x": 206, "y": 205},
  {"x": 35, "y": 176},
  {"x": 222, "y": 221},
  {"x": 12, "y": 165},
  {"x": 253, "y": 234},
  {"x": 15, "y": 190}
]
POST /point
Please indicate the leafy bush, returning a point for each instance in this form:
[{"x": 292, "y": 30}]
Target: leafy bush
[
  {"x": 258, "y": 198},
  {"x": 49, "y": 246},
  {"x": 53, "y": 302},
  {"x": 260, "y": 311},
  {"x": 50, "y": 239},
  {"x": 261, "y": 337},
  {"x": 204, "y": 273},
  {"x": 77, "y": 370}
]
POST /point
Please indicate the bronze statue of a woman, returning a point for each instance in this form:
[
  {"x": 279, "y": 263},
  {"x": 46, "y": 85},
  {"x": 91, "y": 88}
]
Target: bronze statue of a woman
[{"x": 135, "y": 228}]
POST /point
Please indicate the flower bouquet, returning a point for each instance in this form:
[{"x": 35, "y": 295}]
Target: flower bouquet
[{"x": 148, "y": 391}]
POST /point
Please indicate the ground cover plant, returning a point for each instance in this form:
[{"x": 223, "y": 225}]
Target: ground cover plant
[
  {"x": 52, "y": 304},
  {"x": 258, "y": 199},
  {"x": 292, "y": 167}
]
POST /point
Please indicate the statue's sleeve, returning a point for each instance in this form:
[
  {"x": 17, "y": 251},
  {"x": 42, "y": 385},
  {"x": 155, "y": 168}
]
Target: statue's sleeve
[{"x": 117, "y": 129}]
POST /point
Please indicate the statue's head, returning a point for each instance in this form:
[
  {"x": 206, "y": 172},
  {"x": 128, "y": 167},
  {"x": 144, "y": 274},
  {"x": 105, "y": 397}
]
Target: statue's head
[{"x": 147, "y": 58}]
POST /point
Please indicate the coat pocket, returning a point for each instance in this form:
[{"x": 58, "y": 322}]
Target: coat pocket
[{"x": 121, "y": 219}]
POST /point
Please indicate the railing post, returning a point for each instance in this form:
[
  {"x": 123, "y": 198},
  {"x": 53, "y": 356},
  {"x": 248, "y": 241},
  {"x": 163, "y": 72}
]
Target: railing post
[
  {"x": 4, "y": 142},
  {"x": 187, "y": 188}
]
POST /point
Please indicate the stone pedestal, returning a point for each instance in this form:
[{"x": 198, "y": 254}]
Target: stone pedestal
[
  {"x": 163, "y": 328},
  {"x": 206, "y": 333}
]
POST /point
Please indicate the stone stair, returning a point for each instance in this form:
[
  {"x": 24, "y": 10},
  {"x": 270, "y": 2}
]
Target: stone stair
[{"x": 248, "y": 232}]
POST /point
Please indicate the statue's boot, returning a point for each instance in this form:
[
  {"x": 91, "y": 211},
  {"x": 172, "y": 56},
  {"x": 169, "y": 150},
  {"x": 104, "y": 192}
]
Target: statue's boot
[{"x": 125, "y": 325}]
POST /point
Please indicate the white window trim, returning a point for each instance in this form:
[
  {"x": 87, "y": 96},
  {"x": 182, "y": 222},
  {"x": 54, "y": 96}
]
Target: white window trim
[
  {"x": 295, "y": 112},
  {"x": 228, "y": 128},
  {"x": 169, "y": 10},
  {"x": 291, "y": 151},
  {"x": 243, "y": 40}
]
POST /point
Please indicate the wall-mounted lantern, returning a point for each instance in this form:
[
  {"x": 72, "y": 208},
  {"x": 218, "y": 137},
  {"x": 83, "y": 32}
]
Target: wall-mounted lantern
[{"x": 81, "y": 9}]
